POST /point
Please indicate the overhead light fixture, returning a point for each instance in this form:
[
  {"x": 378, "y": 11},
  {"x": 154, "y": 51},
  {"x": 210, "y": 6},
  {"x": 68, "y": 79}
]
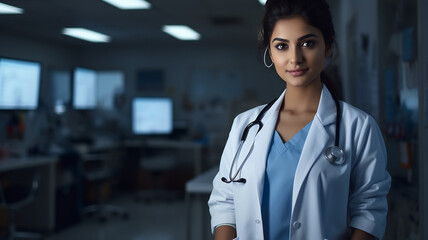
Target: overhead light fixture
[
  {"x": 8, "y": 9},
  {"x": 262, "y": 2},
  {"x": 86, "y": 34},
  {"x": 181, "y": 32},
  {"x": 129, "y": 4}
]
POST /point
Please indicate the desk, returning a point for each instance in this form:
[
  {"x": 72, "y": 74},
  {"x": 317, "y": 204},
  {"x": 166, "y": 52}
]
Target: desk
[
  {"x": 200, "y": 185},
  {"x": 195, "y": 146},
  {"x": 40, "y": 214},
  {"x": 10, "y": 164}
]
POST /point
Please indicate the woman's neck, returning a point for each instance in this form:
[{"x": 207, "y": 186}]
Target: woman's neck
[{"x": 302, "y": 99}]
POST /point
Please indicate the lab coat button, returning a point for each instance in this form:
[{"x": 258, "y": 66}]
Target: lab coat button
[
  {"x": 257, "y": 221},
  {"x": 296, "y": 225}
]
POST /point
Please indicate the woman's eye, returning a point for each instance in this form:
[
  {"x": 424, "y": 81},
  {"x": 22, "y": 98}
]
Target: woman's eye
[
  {"x": 308, "y": 44},
  {"x": 281, "y": 46}
]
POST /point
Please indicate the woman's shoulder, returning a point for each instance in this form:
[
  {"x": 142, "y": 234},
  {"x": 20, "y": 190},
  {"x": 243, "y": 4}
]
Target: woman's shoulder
[
  {"x": 351, "y": 109},
  {"x": 353, "y": 114}
]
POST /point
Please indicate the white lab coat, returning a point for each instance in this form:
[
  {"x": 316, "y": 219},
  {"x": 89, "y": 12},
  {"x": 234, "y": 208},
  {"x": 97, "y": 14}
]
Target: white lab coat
[{"x": 322, "y": 192}]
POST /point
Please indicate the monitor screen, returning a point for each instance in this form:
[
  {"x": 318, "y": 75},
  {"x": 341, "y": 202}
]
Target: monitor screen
[
  {"x": 152, "y": 116},
  {"x": 84, "y": 88},
  {"x": 19, "y": 84}
]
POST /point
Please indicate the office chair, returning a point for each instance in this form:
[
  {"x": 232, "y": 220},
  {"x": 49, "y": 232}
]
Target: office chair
[
  {"x": 98, "y": 171},
  {"x": 17, "y": 189}
]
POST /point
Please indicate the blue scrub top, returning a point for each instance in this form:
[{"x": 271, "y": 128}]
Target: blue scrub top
[{"x": 281, "y": 167}]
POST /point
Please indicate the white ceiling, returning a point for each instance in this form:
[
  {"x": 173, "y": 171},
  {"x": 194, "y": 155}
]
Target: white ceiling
[{"x": 218, "y": 21}]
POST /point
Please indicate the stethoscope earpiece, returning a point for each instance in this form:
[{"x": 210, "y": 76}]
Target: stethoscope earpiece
[
  {"x": 225, "y": 180},
  {"x": 241, "y": 180}
]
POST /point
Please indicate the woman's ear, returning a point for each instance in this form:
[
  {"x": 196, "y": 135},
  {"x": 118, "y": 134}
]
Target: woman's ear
[{"x": 328, "y": 52}]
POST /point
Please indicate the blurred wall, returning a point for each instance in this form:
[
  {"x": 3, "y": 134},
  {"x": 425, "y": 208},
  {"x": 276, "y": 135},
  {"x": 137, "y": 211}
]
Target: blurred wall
[
  {"x": 423, "y": 116},
  {"x": 353, "y": 20}
]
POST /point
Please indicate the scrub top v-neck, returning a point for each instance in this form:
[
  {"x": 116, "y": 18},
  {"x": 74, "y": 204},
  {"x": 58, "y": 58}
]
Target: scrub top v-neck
[{"x": 281, "y": 167}]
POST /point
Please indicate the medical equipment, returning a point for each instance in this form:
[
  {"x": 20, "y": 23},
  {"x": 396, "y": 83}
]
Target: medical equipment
[
  {"x": 333, "y": 154},
  {"x": 258, "y": 122}
]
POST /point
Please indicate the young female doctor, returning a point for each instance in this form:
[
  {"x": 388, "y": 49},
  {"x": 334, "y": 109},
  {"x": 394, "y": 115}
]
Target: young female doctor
[{"x": 305, "y": 166}]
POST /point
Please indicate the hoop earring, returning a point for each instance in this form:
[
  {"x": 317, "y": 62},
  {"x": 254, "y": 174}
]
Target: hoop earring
[{"x": 264, "y": 59}]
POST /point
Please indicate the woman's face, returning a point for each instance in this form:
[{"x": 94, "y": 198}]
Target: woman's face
[{"x": 298, "y": 51}]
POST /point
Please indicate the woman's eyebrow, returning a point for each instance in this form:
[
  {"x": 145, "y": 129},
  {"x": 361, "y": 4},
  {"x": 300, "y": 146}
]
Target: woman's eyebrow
[
  {"x": 299, "y": 39},
  {"x": 280, "y": 39},
  {"x": 307, "y": 36}
]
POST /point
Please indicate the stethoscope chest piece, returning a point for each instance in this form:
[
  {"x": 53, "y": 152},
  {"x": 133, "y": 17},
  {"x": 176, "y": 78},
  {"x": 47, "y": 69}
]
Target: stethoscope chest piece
[{"x": 334, "y": 155}]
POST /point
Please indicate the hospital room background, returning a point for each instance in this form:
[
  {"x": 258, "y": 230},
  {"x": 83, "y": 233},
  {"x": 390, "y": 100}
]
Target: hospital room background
[{"x": 120, "y": 139}]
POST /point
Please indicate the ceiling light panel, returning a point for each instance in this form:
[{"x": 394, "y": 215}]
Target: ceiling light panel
[
  {"x": 86, "y": 34},
  {"x": 8, "y": 9},
  {"x": 262, "y": 2},
  {"x": 181, "y": 32},
  {"x": 129, "y": 4}
]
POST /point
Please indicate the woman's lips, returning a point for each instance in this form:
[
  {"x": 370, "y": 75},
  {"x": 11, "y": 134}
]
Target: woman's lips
[{"x": 297, "y": 72}]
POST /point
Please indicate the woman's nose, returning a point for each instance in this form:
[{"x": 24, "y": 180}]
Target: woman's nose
[{"x": 296, "y": 56}]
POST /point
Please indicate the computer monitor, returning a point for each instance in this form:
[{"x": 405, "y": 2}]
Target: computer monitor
[
  {"x": 19, "y": 84},
  {"x": 152, "y": 116},
  {"x": 84, "y": 89}
]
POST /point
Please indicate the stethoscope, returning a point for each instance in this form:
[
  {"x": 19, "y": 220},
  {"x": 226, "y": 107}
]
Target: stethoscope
[{"x": 333, "y": 154}]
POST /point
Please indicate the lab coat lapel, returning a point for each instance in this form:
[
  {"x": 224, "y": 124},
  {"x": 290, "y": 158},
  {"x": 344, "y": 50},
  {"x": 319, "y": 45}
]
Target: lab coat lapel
[
  {"x": 263, "y": 142},
  {"x": 317, "y": 141}
]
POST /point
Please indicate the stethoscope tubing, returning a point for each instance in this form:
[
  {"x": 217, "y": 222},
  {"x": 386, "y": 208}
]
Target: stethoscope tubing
[
  {"x": 257, "y": 121},
  {"x": 235, "y": 158},
  {"x": 332, "y": 154}
]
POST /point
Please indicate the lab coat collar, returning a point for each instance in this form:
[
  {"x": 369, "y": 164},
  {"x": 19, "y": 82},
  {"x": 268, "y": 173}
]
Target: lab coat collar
[
  {"x": 326, "y": 112},
  {"x": 272, "y": 113}
]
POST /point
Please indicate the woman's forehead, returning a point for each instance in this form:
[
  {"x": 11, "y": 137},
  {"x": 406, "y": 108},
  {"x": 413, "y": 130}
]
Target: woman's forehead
[{"x": 293, "y": 28}]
